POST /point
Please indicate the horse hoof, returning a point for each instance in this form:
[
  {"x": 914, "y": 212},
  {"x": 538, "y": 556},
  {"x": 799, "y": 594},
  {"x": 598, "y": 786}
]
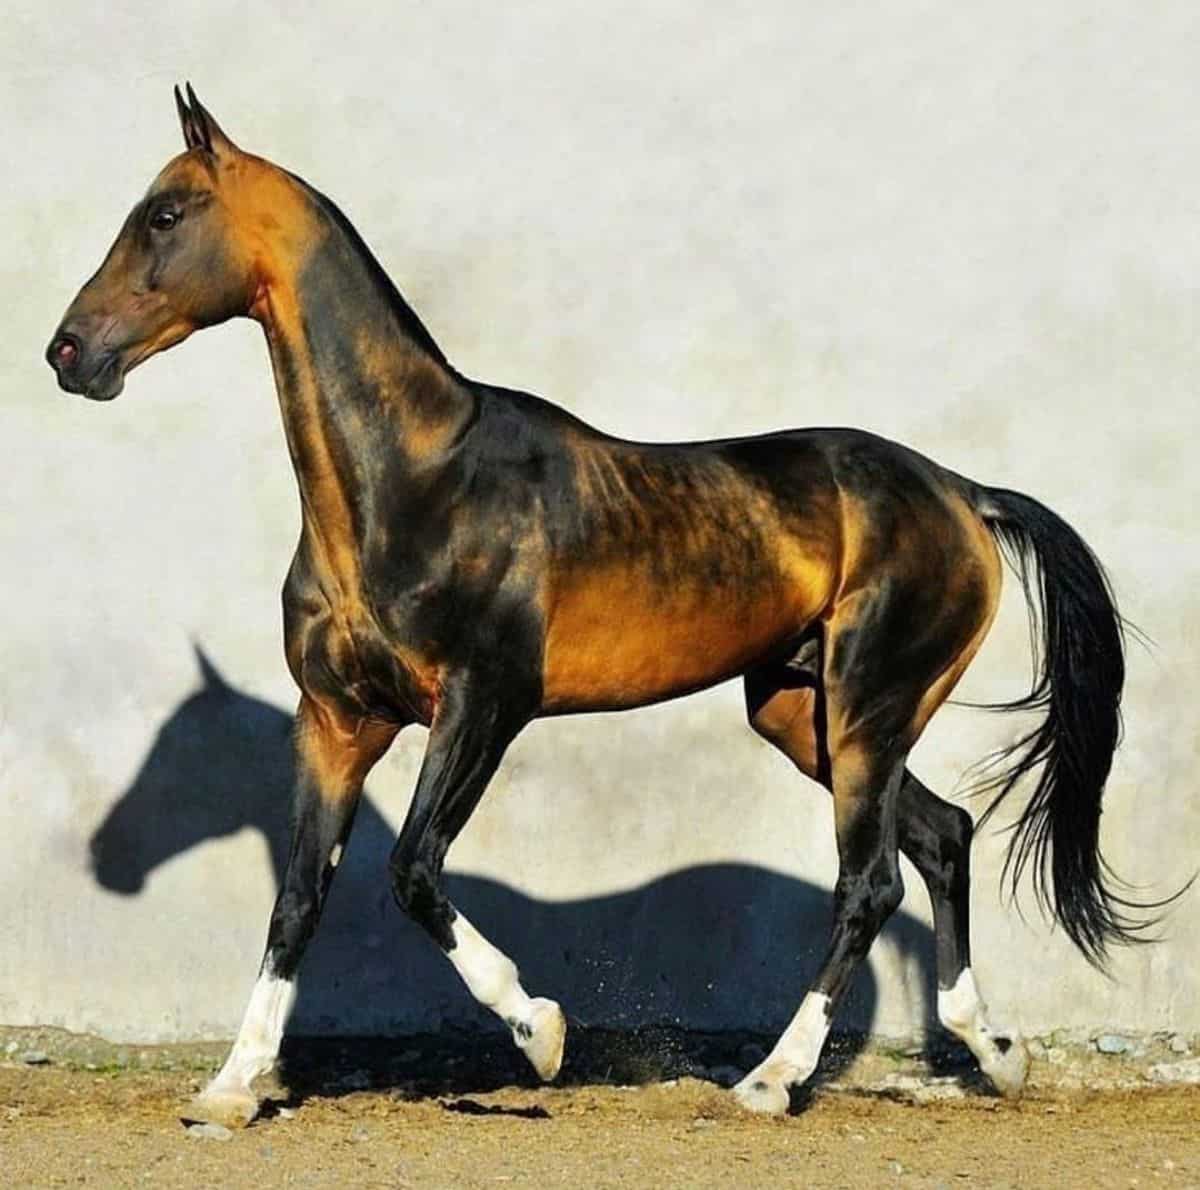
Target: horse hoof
[
  {"x": 548, "y": 1034},
  {"x": 1009, "y": 1067},
  {"x": 230, "y": 1106},
  {"x": 762, "y": 1094}
]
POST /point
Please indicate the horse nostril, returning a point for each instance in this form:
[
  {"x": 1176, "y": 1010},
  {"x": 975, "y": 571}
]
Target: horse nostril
[{"x": 64, "y": 351}]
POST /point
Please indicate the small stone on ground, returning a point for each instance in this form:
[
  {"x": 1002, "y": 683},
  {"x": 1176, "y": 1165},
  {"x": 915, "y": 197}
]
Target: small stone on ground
[{"x": 1177, "y": 1072}]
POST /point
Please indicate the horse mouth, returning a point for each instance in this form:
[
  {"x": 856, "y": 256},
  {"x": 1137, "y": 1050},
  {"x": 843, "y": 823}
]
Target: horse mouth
[
  {"x": 104, "y": 383},
  {"x": 125, "y": 885},
  {"x": 110, "y": 873}
]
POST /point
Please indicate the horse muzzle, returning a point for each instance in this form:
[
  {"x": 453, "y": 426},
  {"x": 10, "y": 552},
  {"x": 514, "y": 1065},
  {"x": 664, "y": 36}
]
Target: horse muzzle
[{"x": 95, "y": 373}]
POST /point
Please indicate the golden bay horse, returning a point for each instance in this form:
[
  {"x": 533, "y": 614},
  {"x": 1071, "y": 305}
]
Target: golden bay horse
[{"x": 473, "y": 558}]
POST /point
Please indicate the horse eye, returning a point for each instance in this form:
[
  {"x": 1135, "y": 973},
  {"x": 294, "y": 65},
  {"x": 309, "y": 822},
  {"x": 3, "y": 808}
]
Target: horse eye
[{"x": 163, "y": 220}]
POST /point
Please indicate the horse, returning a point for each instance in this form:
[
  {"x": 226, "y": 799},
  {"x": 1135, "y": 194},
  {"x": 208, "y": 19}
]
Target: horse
[{"x": 472, "y": 558}]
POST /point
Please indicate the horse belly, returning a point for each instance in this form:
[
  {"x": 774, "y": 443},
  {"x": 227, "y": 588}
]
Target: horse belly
[{"x": 616, "y": 640}]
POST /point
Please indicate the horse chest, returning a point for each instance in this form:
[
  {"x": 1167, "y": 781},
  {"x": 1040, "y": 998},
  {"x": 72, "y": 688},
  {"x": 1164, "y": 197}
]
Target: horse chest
[{"x": 337, "y": 653}]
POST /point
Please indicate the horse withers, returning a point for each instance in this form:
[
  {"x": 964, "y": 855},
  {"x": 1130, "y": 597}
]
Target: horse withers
[{"x": 472, "y": 558}]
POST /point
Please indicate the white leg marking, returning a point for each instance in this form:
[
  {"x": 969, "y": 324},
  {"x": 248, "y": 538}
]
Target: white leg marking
[
  {"x": 794, "y": 1058},
  {"x": 1001, "y": 1053},
  {"x": 228, "y": 1098},
  {"x": 538, "y": 1025},
  {"x": 335, "y": 856}
]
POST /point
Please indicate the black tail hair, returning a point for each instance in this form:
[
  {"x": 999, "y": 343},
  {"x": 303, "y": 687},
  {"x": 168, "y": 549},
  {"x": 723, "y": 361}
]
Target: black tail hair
[{"x": 1079, "y": 671}]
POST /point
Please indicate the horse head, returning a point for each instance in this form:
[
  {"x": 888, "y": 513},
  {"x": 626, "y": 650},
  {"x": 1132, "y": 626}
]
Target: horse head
[{"x": 198, "y": 249}]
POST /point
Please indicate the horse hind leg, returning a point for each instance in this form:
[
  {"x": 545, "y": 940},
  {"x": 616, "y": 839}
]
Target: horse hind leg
[
  {"x": 936, "y": 837},
  {"x": 868, "y": 890},
  {"x": 785, "y": 705},
  {"x": 864, "y": 769}
]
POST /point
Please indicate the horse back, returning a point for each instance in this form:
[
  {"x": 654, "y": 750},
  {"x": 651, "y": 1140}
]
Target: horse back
[{"x": 676, "y": 566}]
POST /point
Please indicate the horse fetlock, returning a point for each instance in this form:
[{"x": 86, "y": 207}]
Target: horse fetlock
[
  {"x": 494, "y": 981},
  {"x": 962, "y": 1010},
  {"x": 489, "y": 973},
  {"x": 795, "y": 1056},
  {"x": 1001, "y": 1053},
  {"x": 542, "y": 1036}
]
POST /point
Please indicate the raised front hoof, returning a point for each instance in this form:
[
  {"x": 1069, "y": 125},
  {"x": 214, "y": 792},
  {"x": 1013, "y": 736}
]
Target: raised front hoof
[
  {"x": 543, "y": 1038},
  {"x": 1009, "y": 1067},
  {"x": 763, "y": 1094},
  {"x": 231, "y": 1106}
]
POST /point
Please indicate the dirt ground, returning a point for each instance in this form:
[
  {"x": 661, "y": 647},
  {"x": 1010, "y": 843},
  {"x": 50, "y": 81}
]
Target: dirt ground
[{"x": 121, "y": 1127}]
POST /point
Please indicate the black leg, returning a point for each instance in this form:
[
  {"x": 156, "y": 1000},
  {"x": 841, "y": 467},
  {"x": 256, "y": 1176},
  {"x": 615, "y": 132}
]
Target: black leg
[
  {"x": 474, "y": 725},
  {"x": 868, "y": 890},
  {"x": 333, "y": 757},
  {"x": 788, "y": 711},
  {"x": 936, "y": 836}
]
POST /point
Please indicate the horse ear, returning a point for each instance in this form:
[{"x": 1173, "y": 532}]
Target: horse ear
[
  {"x": 200, "y": 130},
  {"x": 192, "y": 137},
  {"x": 208, "y": 671}
]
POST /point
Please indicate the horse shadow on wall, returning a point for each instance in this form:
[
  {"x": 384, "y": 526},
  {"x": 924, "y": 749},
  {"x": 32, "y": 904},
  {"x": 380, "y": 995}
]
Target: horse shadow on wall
[{"x": 713, "y": 948}]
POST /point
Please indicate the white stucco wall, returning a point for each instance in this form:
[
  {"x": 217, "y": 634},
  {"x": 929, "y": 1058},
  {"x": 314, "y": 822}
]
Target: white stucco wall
[{"x": 969, "y": 227}]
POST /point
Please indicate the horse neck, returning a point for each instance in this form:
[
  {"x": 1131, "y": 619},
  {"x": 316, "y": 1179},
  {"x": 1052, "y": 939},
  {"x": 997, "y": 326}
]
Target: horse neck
[{"x": 366, "y": 395}]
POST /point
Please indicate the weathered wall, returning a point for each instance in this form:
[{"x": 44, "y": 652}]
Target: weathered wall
[{"x": 974, "y": 231}]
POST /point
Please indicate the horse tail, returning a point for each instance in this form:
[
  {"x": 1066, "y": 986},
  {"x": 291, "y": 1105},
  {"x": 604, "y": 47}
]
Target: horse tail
[{"x": 1079, "y": 672}]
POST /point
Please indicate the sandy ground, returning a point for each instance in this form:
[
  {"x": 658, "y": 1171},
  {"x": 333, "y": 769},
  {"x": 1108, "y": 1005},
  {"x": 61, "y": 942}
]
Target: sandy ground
[{"x": 121, "y": 1127}]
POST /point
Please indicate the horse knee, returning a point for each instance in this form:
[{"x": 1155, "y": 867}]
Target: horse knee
[
  {"x": 411, "y": 888},
  {"x": 417, "y": 892},
  {"x": 887, "y": 896},
  {"x": 865, "y": 900}
]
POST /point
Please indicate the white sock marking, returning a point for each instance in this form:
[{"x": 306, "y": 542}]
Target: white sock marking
[
  {"x": 257, "y": 1045},
  {"x": 794, "y": 1058},
  {"x": 490, "y": 974},
  {"x": 538, "y": 1026},
  {"x": 1002, "y": 1055},
  {"x": 798, "y": 1050},
  {"x": 963, "y": 1012},
  {"x": 335, "y": 856}
]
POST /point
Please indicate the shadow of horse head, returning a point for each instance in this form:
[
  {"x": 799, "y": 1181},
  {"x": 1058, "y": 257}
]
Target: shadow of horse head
[
  {"x": 714, "y": 947},
  {"x": 222, "y": 762}
]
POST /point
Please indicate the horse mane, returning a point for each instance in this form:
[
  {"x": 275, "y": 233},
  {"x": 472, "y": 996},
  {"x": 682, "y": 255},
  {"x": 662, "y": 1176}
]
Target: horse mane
[{"x": 405, "y": 315}]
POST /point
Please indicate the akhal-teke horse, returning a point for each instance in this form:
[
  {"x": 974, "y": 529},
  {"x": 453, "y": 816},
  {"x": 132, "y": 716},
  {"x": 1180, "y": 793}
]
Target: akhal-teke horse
[{"x": 473, "y": 558}]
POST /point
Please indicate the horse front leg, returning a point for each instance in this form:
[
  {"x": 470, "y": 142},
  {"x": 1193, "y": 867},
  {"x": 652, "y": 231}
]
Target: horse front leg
[
  {"x": 333, "y": 756},
  {"x": 474, "y": 725}
]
